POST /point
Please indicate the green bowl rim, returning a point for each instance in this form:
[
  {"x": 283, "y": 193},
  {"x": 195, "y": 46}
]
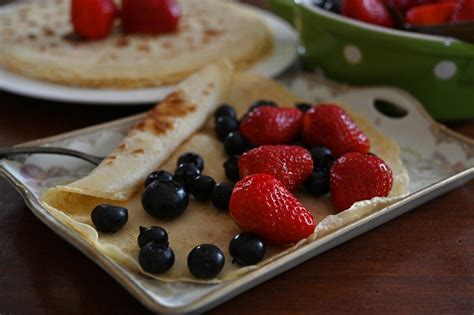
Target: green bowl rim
[{"x": 394, "y": 33}]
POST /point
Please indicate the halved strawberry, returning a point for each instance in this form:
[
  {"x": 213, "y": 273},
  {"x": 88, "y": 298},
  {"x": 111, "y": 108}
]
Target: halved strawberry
[
  {"x": 329, "y": 125},
  {"x": 290, "y": 164},
  {"x": 356, "y": 177},
  {"x": 431, "y": 14},
  {"x": 370, "y": 11},
  {"x": 271, "y": 125},
  {"x": 262, "y": 205}
]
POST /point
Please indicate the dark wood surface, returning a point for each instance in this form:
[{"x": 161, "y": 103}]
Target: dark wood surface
[{"x": 420, "y": 263}]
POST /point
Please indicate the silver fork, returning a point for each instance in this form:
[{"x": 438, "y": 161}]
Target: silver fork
[{"x": 11, "y": 151}]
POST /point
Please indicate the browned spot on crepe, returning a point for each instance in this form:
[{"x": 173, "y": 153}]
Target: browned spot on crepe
[
  {"x": 48, "y": 31},
  {"x": 122, "y": 147},
  {"x": 144, "y": 47},
  {"x": 138, "y": 151},
  {"x": 122, "y": 42},
  {"x": 158, "y": 119}
]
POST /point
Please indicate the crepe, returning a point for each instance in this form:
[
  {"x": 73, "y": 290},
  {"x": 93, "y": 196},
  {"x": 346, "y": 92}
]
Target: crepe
[
  {"x": 150, "y": 142},
  {"x": 36, "y": 40},
  {"x": 201, "y": 222}
]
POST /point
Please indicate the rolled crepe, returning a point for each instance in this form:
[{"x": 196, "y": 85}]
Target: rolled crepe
[{"x": 153, "y": 140}]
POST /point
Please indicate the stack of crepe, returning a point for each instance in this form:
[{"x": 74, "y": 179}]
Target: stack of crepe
[
  {"x": 180, "y": 123},
  {"x": 37, "y": 40}
]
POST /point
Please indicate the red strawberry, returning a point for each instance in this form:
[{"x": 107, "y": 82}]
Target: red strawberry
[
  {"x": 92, "y": 19},
  {"x": 370, "y": 11},
  {"x": 262, "y": 205},
  {"x": 464, "y": 11},
  {"x": 290, "y": 164},
  {"x": 271, "y": 125},
  {"x": 356, "y": 177},
  {"x": 150, "y": 16},
  {"x": 430, "y": 14},
  {"x": 329, "y": 125}
]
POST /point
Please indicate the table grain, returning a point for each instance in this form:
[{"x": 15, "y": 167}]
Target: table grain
[{"x": 420, "y": 263}]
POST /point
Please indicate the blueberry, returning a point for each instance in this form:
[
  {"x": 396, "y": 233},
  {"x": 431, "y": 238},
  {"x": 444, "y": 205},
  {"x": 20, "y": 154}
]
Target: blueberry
[
  {"x": 154, "y": 234},
  {"x": 318, "y": 183},
  {"x": 185, "y": 173},
  {"x": 109, "y": 219},
  {"x": 235, "y": 144},
  {"x": 225, "y": 125},
  {"x": 191, "y": 158},
  {"x": 156, "y": 258},
  {"x": 162, "y": 176},
  {"x": 201, "y": 187},
  {"x": 221, "y": 195},
  {"x": 322, "y": 157},
  {"x": 304, "y": 107},
  {"x": 165, "y": 199},
  {"x": 231, "y": 168},
  {"x": 247, "y": 249},
  {"x": 205, "y": 261},
  {"x": 262, "y": 103},
  {"x": 225, "y": 111}
]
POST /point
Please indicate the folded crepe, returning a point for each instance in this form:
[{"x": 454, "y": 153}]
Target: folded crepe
[
  {"x": 150, "y": 142},
  {"x": 201, "y": 222}
]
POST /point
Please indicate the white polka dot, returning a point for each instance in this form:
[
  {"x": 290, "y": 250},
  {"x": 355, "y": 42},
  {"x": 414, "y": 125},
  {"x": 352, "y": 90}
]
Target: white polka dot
[
  {"x": 352, "y": 54},
  {"x": 445, "y": 70}
]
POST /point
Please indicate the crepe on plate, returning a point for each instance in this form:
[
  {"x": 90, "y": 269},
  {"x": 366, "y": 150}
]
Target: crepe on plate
[
  {"x": 36, "y": 40},
  {"x": 201, "y": 222}
]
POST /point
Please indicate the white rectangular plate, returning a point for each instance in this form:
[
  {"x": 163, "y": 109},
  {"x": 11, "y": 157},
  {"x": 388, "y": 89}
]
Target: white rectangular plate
[{"x": 437, "y": 160}]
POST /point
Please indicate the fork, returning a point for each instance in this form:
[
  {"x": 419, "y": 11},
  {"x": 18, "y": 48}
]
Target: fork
[{"x": 11, "y": 151}]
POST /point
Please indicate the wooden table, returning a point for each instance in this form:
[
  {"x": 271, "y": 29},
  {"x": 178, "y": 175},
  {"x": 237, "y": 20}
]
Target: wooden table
[{"x": 422, "y": 262}]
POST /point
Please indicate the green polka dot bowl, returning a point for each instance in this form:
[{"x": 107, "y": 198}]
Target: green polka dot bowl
[{"x": 439, "y": 71}]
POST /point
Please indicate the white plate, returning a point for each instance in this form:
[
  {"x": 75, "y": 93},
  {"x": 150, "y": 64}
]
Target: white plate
[{"x": 284, "y": 53}]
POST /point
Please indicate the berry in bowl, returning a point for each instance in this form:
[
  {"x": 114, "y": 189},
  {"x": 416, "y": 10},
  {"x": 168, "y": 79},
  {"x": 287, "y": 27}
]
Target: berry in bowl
[{"x": 367, "y": 49}]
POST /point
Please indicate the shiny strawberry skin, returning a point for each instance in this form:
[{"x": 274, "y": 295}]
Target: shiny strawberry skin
[
  {"x": 430, "y": 14},
  {"x": 262, "y": 205},
  {"x": 356, "y": 177},
  {"x": 92, "y": 19},
  {"x": 271, "y": 125},
  {"x": 329, "y": 125},
  {"x": 464, "y": 11},
  {"x": 290, "y": 164},
  {"x": 369, "y": 11},
  {"x": 150, "y": 16}
]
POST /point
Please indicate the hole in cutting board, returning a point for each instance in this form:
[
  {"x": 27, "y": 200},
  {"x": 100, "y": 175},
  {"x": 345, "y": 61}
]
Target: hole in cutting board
[{"x": 389, "y": 109}]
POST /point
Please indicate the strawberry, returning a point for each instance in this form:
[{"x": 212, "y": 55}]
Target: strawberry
[
  {"x": 356, "y": 177},
  {"x": 150, "y": 16},
  {"x": 290, "y": 164},
  {"x": 464, "y": 11},
  {"x": 329, "y": 125},
  {"x": 260, "y": 204},
  {"x": 271, "y": 125},
  {"x": 430, "y": 14},
  {"x": 370, "y": 11},
  {"x": 92, "y": 19}
]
